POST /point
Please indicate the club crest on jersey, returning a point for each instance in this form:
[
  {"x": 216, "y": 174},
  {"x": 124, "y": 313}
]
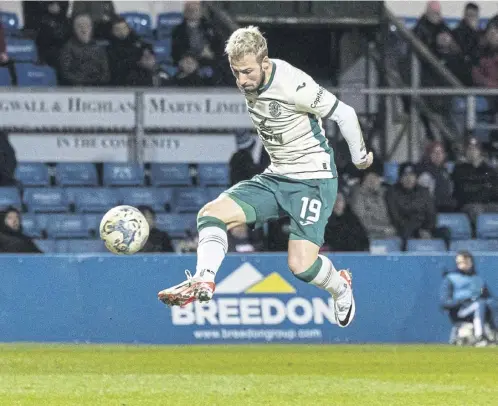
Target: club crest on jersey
[{"x": 275, "y": 109}]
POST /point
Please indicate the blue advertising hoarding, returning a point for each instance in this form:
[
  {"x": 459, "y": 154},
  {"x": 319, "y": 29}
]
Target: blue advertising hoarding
[{"x": 108, "y": 298}]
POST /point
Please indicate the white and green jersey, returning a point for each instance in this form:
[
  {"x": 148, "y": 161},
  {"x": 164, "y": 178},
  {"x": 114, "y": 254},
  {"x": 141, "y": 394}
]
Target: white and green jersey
[{"x": 287, "y": 113}]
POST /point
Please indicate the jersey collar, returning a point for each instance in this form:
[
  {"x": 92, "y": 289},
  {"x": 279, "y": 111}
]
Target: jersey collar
[{"x": 265, "y": 87}]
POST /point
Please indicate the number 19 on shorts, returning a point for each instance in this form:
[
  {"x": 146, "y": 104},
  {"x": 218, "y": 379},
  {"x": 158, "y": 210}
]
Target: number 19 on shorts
[{"x": 310, "y": 211}]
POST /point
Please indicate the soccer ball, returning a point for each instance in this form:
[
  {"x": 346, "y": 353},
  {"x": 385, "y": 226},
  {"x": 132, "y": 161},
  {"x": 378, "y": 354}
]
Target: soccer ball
[{"x": 124, "y": 230}]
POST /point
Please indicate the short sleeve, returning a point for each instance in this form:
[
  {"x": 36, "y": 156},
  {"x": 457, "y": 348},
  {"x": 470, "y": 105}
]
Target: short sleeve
[{"x": 309, "y": 96}]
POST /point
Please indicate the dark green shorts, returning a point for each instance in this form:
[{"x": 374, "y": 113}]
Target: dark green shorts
[{"x": 308, "y": 203}]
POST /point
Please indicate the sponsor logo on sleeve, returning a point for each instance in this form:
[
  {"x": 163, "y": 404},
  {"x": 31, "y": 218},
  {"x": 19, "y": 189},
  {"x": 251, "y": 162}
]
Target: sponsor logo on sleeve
[{"x": 318, "y": 97}]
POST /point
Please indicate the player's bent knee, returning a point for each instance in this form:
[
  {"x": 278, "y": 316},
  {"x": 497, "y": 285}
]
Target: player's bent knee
[
  {"x": 222, "y": 210},
  {"x": 299, "y": 264}
]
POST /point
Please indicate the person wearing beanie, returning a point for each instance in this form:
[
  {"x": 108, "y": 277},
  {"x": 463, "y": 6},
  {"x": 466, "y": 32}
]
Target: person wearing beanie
[{"x": 411, "y": 206}]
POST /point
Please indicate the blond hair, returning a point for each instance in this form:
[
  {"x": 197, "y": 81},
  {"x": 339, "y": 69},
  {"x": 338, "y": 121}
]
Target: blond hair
[{"x": 244, "y": 41}]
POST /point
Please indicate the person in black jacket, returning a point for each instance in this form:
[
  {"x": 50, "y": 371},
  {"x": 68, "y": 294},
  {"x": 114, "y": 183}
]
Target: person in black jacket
[
  {"x": 158, "y": 241},
  {"x": 430, "y": 25},
  {"x": 433, "y": 175},
  {"x": 344, "y": 230},
  {"x": 55, "y": 30},
  {"x": 12, "y": 239},
  {"x": 8, "y": 161},
  {"x": 476, "y": 182},
  {"x": 467, "y": 33},
  {"x": 411, "y": 206},
  {"x": 196, "y": 39},
  {"x": 125, "y": 52}
]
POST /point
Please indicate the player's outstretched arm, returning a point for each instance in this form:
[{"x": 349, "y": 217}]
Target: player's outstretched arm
[
  {"x": 347, "y": 120},
  {"x": 313, "y": 98}
]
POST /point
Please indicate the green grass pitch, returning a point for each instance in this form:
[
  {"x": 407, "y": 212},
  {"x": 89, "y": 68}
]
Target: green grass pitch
[{"x": 35, "y": 374}]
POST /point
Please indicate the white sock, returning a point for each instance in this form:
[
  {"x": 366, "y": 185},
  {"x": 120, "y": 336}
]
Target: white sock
[
  {"x": 211, "y": 251},
  {"x": 328, "y": 278}
]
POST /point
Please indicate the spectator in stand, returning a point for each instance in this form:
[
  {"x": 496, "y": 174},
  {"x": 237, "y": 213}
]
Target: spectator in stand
[
  {"x": 485, "y": 74},
  {"x": 196, "y": 47},
  {"x": 8, "y": 161},
  {"x": 412, "y": 208},
  {"x": 249, "y": 160},
  {"x": 158, "y": 241},
  {"x": 191, "y": 73},
  {"x": 4, "y": 58},
  {"x": 83, "y": 62},
  {"x": 449, "y": 53},
  {"x": 430, "y": 25},
  {"x": 434, "y": 176},
  {"x": 344, "y": 231},
  {"x": 368, "y": 202},
  {"x": 476, "y": 182},
  {"x": 240, "y": 240},
  {"x": 12, "y": 239},
  {"x": 467, "y": 34},
  {"x": 101, "y": 14},
  {"x": 125, "y": 51},
  {"x": 54, "y": 32}
]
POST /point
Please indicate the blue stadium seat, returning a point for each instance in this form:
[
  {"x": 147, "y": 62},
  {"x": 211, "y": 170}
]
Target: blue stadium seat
[
  {"x": 30, "y": 226},
  {"x": 482, "y": 105},
  {"x": 5, "y": 79},
  {"x": 214, "y": 192},
  {"x": 385, "y": 246},
  {"x": 137, "y": 196},
  {"x": 93, "y": 221},
  {"x": 46, "y": 246},
  {"x": 33, "y": 174},
  {"x": 29, "y": 75},
  {"x": 410, "y": 22},
  {"x": 459, "y": 105},
  {"x": 166, "y": 22},
  {"x": 22, "y": 50},
  {"x": 94, "y": 200},
  {"x": 46, "y": 200},
  {"x": 162, "y": 50},
  {"x": 9, "y": 196},
  {"x": 123, "y": 174},
  {"x": 391, "y": 172},
  {"x": 458, "y": 223},
  {"x": 170, "y": 175},
  {"x": 83, "y": 246},
  {"x": 474, "y": 245},
  {"x": 67, "y": 226},
  {"x": 10, "y": 23},
  {"x": 213, "y": 174},
  {"x": 76, "y": 174},
  {"x": 435, "y": 245},
  {"x": 176, "y": 224},
  {"x": 141, "y": 23},
  {"x": 190, "y": 200},
  {"x": 487, "y": 225},
  {"x": 42, "y": 220},
  {"x": 452, "y": 23}
]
